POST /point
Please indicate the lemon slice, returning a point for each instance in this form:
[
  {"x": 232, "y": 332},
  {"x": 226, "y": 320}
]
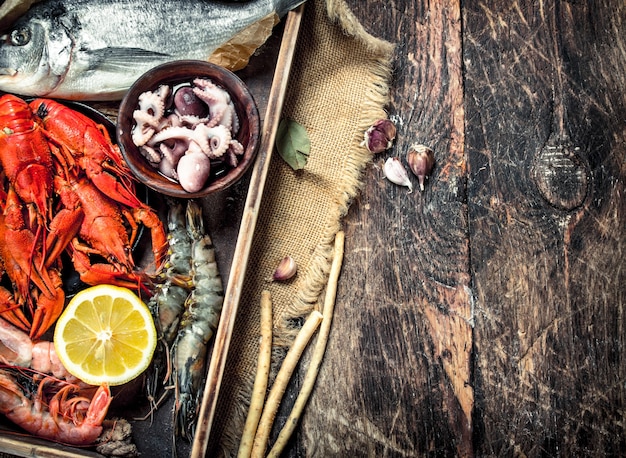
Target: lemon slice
[{"x": 105, "y": 335}]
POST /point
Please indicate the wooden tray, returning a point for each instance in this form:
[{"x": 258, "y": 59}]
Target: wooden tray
[
  {"x": 246, "y": 231},
  {"x": 231, "y": 223}
]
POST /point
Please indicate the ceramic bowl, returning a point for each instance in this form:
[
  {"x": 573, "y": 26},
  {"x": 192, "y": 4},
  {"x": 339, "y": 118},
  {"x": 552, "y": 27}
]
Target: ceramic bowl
[{"x": 175, "y": 74}]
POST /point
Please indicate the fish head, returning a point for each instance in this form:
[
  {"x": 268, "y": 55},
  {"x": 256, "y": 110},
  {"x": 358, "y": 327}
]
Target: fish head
[{"x": 33, "y": 58}]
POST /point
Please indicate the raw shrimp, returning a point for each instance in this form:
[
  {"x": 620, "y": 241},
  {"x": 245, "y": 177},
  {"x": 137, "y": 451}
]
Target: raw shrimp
[
  {"x": 170, "y": 296},
  {"x": 179, "y": 253},
  {"x": 167, "y": 303},
  {"x": 60, "y": 415},
  {"x": 16, "y": 349},
  {"x": 200, "y": 319}
]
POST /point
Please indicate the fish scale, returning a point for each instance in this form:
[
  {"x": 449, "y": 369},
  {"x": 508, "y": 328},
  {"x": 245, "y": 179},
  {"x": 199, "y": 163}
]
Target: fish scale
[{"x": 96, "y": 49}]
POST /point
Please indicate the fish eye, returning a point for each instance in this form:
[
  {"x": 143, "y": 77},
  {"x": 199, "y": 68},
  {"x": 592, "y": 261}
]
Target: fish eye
[{"x": 20, "y": 37}]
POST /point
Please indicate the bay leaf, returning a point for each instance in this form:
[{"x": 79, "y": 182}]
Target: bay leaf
[{"x": 292, "y": 143}]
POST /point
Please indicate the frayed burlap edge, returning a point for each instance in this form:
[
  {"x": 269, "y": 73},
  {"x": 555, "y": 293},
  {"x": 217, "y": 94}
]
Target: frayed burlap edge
[
  {"x": 372, "y": 109},
  {"x": 309, "y": 292}
]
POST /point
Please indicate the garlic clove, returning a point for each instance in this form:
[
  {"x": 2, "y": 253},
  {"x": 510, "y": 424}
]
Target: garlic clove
[
  {"x": 285, "y": 270},
  {"x": 396, "y": 173},
  {"x": 379, "y": 137},
  {"x": 421, "y": 160}
]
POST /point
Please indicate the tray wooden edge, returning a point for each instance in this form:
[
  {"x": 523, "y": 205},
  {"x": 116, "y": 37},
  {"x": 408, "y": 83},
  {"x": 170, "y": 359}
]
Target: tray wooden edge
[{"x": 246, "y": 231}]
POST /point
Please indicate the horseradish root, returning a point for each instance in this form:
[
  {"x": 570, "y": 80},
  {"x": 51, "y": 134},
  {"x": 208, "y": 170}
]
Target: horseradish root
[
  {"x": 318, "y": 351},
  {"x": 280, "y": 384},
  {"x": 261, "y": 379}
]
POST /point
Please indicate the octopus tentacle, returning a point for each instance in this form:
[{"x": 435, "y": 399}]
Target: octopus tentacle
[
  {"x": 221, "y": 107},
  {"x": 234, "y": 127},
  {"x": 230, "y": 119},
  {"x": 170, "y": 121},
  {"x": 235, "y": 147},
  {"x": 151, "y": 154},
  {"x": 168, "y": 168},
  {"x": 142, "y": 133},
  {"x": 144, "y": 118},
  {"x": 173, "y": 133},
  {"x": 216, "y": 138},
  {"x": 149, "y": 117},
  {"x": 192, "y": 120},
  {"x": 153, "y": 102},
  {"x": 195, "y": 147},
  {"x": 174, "y": 151}
]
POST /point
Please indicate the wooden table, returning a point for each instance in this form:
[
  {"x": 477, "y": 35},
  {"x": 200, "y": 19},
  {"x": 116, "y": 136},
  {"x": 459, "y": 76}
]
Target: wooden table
[{"x": 486, "y": 315}]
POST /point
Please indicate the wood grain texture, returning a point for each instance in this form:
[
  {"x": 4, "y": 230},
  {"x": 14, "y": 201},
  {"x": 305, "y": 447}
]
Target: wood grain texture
[
  {"x": 545, "y": 130},
  {"x": 395, "y": 378},
  {"x": 485, "y": 316}
]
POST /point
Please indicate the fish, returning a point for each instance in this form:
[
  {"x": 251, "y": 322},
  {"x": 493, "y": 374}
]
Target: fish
[{"x": 94, "y": 50}]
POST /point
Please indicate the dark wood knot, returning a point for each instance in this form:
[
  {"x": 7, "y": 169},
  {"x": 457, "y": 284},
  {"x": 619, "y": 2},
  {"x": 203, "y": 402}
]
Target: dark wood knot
[{"x": 561, "y": 176}]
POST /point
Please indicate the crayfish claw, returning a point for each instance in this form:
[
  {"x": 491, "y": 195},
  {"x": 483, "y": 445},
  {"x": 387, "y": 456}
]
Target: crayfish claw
[
  {"x": 11, "y": 311},
  {"x": 49, "y": 308}
]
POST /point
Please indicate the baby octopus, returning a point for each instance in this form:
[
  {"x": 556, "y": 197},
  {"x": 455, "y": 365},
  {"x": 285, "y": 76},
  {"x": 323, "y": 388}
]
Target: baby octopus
[{"x": 182, "y": 133}]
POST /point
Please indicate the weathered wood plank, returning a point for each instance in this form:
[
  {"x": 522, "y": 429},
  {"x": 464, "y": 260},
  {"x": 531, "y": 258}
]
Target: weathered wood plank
[
  {"x": 396, "y": 377},
  {"x": 545, "y": 110}
]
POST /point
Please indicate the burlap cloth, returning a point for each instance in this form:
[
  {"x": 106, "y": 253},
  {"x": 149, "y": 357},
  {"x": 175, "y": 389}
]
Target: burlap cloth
[{"x": 337, "y": 89}]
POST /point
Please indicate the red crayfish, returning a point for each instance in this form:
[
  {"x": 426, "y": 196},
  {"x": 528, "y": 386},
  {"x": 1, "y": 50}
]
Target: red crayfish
[{"x": 65, "y": 188}]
